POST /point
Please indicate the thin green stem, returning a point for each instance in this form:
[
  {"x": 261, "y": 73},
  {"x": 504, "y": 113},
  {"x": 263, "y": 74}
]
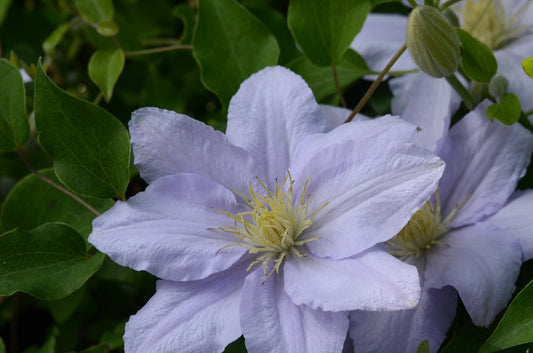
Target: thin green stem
[
  {"x": 376, "y": 83},
  {"x": 50, "y": 182},
  {"x": 338, "y": 86},
  {"x": 159, "y": 50},
  {"x": 525, "y": 121},
  {"x": 529, "y": 112},
  {"x": 413, "y": 3},
  {"x": 397, "y": 73},
  {"x": 461, "y": 91},
  {"x": 448, "y": 4},
  {"x": 98, "y": 98}
]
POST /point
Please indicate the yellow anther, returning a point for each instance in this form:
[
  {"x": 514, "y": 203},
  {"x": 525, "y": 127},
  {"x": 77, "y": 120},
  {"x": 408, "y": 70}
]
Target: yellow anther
[{"x": 273, "y": 225}]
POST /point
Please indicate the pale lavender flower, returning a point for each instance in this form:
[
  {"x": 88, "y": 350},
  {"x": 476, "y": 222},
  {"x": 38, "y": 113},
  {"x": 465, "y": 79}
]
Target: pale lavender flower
[
  {"x": 269, "y": 230},
  {"x": 506, "y": 26},
  {"x": 466, "y": 238}
]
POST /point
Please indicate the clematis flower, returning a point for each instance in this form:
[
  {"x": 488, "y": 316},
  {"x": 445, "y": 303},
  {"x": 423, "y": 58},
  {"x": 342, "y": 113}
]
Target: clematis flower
[
  {"x": 269, "y": 230},
  {"x": 464, "y": 240},
  {"x": 505, "y": 26}
]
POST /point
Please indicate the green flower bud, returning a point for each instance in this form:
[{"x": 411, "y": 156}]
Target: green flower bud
[
  {"x": 479, "y": 91},
  {"x": 451, "y": 16},
  {"x": 498, "y": 86},
  {"x": 432, "y": 42}
]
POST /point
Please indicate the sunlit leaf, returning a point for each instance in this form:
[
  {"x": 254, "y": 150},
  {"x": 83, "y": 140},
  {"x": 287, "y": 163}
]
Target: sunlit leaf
[
  {"x": 105, "y": 67},
  {"x": 324, "y": 29},
  {"x": 89, "y": 147},
  {"x": 48, "y": 262},
  {"x": 230, "y": 44},
  {"x": 527, "y": 64},
  {"x": 14, "y": 127}
]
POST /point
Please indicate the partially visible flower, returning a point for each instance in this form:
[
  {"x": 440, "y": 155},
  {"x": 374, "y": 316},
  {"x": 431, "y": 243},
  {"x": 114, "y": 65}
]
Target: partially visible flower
[
  {"x": 25, "y": 77},
  {"x": 466, "y": 238},
  {"x": 269, "y": 230},
  {"x": 506, "y": 26}
]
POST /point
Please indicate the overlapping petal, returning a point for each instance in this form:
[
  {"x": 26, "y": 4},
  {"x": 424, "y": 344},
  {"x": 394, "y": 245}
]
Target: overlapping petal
[
  {"x": 515, "y": 219},
  {"x": 482, "y": 263},
  {"x": 166, "y": 143},
  {"x": 484, "y": 161},
  {"x": 189, "y": 317},
  {"x": 374, "y": 280},
  {"x": 168, "y": 229},
  {"x": 402, "y": 331},
  {"x": 426, "y": 102},
  {"x": 371, "y": 189},
  {"x": 269, "y": 116},
  {"x": 272, "y": 323}
]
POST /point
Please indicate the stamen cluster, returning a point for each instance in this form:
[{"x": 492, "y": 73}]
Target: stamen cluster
[
  {"x": 422, "y": 232},
  {"x": 273, "y": 225},
  {"x": 488, "y": 22}
]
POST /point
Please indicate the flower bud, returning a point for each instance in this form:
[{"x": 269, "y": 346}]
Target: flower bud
[
  {"x": 498, "y": 86},
  {"x": 432, "y": 42}
]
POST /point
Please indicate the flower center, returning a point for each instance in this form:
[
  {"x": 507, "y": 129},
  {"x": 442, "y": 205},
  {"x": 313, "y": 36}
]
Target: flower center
[
  {"x": 273, "y": 226},
  {"x": 422, "y": 232},
  {"x": 491, "y": 23}
]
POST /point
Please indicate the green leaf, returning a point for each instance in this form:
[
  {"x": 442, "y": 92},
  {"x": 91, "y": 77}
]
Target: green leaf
[
  {"x": 527, "y": 64},
  {"x": 324, "y": 29},
  {"x": 62, "y": 309},
  {"x": 423, "y": 347},
  {"x": 54, "y": 39},
  {"x": 225, "y": 28},
  {"x": 277, "y": 24},
  {"x": 33, "y": 202},
  {"x": 107, "y": 28},
  {"x": 187, "y": 16},
  {"x": 94, "y": 11},
  {"x": 105, "y": 67},
  {"x": 100, "y": 348},
  {"x": 14, "y": 127},
  {"x": 478, "y": 60},
  {"x": 90, "y": 148},
  {"x": 48, "y": 347},
  {"x": 4, "y": 7},
  {"x": 320, "y": 79},
  {"x": 516, "y": 325},
  {"x": 2, "y": 346},
  {"x": 114, "y": 338},
  {"x": 48, "y": 262},
  {"x": 507, "y": 110}
]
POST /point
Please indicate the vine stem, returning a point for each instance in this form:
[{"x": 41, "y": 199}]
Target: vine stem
[
  {"x": 376, "y": 83},
  {"x": 338, "y": 86},
  {"x": 448, "y": 4},
  {"x": 50, "y": 182},
  {"x": 462, "y": 91},
  {"x": 159, "y": 50},
  {"x": 529, "y": 112}
]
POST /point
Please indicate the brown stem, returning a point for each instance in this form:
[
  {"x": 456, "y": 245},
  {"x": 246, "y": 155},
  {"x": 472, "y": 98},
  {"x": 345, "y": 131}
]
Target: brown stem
[
  {"x": 338, "y": 86},
  {"x": 159, "y": 50},
  {"x": 50, "y": 182},
  {"x": 376, "y": 83}
]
